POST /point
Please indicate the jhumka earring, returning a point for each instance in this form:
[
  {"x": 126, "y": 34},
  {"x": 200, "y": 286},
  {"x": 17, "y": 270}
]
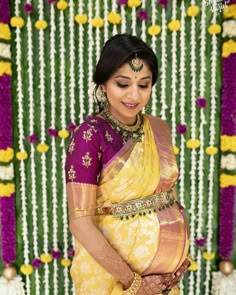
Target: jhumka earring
[{"x": 136, "y": 64}]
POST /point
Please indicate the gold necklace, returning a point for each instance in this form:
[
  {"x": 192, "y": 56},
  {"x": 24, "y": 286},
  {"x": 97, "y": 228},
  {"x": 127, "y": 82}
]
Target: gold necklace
[{"x": 134, "y": 132}]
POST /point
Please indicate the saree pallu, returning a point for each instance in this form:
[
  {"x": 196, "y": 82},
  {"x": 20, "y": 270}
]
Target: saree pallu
[{"x": 154, "y": 243}]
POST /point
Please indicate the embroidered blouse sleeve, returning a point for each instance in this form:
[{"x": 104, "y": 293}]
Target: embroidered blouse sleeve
[{"x": 82, "y": 170}]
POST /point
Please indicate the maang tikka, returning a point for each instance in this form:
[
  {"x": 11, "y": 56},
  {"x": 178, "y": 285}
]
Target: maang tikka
[{"x": 136, "y": 64}]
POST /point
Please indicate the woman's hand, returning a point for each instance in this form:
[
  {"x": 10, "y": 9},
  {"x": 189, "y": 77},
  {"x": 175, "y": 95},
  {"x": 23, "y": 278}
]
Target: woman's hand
[
  {"x": 154, "y": 284},
  {"x": 179, "y": 273}
]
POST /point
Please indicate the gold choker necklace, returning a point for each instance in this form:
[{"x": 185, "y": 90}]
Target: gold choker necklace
[{"x": 133, "y": 132}]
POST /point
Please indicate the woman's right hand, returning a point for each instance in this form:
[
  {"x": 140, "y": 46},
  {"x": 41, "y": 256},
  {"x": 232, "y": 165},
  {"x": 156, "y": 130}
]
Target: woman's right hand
[{"x": 155, "y": 284}]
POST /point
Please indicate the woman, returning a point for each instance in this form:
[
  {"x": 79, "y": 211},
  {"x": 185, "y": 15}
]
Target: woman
[{"x": 130, "y": 232}]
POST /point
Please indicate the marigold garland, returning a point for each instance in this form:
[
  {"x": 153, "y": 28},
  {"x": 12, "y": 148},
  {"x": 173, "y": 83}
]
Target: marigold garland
[
  {"x": 6, "y": 155},
  {"x": 5, "y": 32},
  {"x": 63, "y": 133},
  {"x": 17, "y": 21},
  {"x": 176, "y": 150},
  {"x": 211, "y": 150},
  {"x": 208, "y": 255},
  {"x": 62, "y": 5},
  {"x": 214, "y": 29},
  {"x": 193, "y": 10},
  {"x": 42, "y": 147},
  {"x": 65, "y": 262},
  {"x": 154, "y": 30},
  {"x": 41, "y": 24},
  {"x": 193, "y": 143},
  {"x": 23, "y": 155},
  {"x": 97, "y": 22},
  {"x": 227, "y": 180},
  {"x": 193, "y": 266},
  {"x": 174, "y": 25},
  {"x": 5, "y": 68},
  {"x": 134, "y": 3},
  {"x": 114, "y": 18},
  {"x": 228, "y": 48},
  {"x": 230, "y": 11},
  {"x": 46, "y": 258},
  {"x": 228, "y": 143},
  {"x": 26, "y": 269},
  {"x": 6, "y": 190},
  {"x": 81, "y": 19}
]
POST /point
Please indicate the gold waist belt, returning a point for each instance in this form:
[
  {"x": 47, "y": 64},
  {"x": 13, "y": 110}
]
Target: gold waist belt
[{"x": 142, "y": 206}]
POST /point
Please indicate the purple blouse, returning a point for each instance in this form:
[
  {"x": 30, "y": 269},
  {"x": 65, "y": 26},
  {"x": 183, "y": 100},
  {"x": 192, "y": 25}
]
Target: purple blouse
[{"x": 92, "y": 145}]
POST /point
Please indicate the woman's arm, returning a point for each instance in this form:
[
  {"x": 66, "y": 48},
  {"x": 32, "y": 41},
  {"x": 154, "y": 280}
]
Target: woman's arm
[{"x": 86, "y": 232}]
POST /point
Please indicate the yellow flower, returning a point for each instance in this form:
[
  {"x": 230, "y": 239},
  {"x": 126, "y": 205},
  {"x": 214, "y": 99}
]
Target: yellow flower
[
  {"x": 208, "y": 255},
  {"x": 211, "y": 150},
  {"x": 230, "y": 11},
  {"x": 97, "y": 22},
  {"x": 227, "y": 180},
  {"x": 6, "y": 190},
  {"x": 154, "y": 30},
  {"x": 5, "y": 68},
  {"x": 228, "y": 143},
  {"x": 42, "y": 147},
  {"x": 193, "y": 10},
  {"x": 41, "y": 24},
  {"x": 228, "y": 48},
  {"x": 174, "y": 25},
  {"x": 23, "y": 155},
  {"x": 193, "y": 143},
  {"x": 6, "y": 155},
  {"x": 81, "y": 19},
  {"x": 63, "y": 133},
  {"x": 134, "y": 3},
  {"x": 17, "y": 21},
  {"x": 65, "y": 262},
  {"x": 214, "y": 29},
  {"x": 193, "y": 266},
  {"x": 176, "y": 150},
  {"x": 26, "y": 269},
  {"x": 62, "y": 5},
  {"x": 114, "y": 18},
  {"x": 46, "y": 257},
  {"x": 5, "y": 32}
]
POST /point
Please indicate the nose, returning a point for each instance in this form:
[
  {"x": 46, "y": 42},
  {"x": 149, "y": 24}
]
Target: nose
[{"x": 133, "y": 93}]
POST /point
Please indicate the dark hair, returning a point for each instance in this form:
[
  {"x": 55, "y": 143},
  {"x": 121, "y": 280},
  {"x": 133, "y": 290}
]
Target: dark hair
[{"x": 120, "y": 49}]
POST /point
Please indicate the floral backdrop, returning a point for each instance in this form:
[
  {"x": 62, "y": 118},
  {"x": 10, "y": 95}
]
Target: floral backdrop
[{"x": 48, "y": 50}]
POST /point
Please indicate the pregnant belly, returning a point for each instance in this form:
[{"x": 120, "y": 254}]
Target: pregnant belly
[{"x": 173, "y": 241}]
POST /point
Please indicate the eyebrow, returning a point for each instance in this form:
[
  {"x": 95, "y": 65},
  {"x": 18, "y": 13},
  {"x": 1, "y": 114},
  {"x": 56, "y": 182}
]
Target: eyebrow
[{"x": 126, "y": 77}]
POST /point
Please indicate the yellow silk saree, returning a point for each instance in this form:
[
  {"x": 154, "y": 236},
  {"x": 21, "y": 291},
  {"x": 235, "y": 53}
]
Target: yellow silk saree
[{"x": 151, "y": 242}]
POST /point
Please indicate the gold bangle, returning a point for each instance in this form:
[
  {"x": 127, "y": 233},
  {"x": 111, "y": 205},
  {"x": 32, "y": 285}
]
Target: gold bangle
[
  {"x": 189, "y": 258},
  {"x": 134, "y": 286}
]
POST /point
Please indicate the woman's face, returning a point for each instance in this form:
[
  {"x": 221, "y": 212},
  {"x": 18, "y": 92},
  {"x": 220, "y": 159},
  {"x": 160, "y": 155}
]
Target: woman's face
[{"x": 128, "y": 92}]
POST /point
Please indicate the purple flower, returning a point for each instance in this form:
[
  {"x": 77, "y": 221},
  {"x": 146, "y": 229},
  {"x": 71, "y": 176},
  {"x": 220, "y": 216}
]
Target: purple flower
[
  {"x": 201, "y": 102},
  {"x": 142, "y": 14},
  {"x": 28, "y": 8},
  {"x": 52, "y": 132},
  {"x": 33, "y": 138},
  {"x": 181, "y": 129},
  {"x": 71, "y": 252},
  {"x": 56, "y": 254},
  {"x": 71, "y": 127},
  {"x": 36, "y": 263},
  {"x": 122, "y": 2},
  {"x": 200, "y": 242},
  {"x": 163, "y": 3}
]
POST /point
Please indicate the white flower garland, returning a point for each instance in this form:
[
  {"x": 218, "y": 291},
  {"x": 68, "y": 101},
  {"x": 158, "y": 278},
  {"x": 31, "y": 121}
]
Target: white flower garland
[
  {"x": 222, "y": 284},
  {"x": 193, "y": 151},
  {"x": 201, "y": 149},
  {"x": 212, "y": 157},
  {"x": 228, "y": 162},
  {"x": 114, "y": 8},
  {"x": 105, "y": 3},
  {"x": 97, "y": 41},
  {"x": 144, "y": 27},
  {"x": 229, "y": 29},
  {"x": 90, "y": 53},
  {"x": 63, "y": 156},
  {"x": 43, "y": 139},
  {"x": 173, "y": 76},
  {"x": 123, "y": 18},
  {"x": 153, "y": 45},
  {"x": 163, "y": 65},
  {"x": 134, "y": 21},
  {"x": 32, "y": 151},
  {"x": 72, "y": 60},
  {"x": 20, "y": 120},
  {"x": 7, "y": 172},
  {"x": 5, "y": 50},
  {"x": 81, "y": 67},
  {"x": 53, "y": 145}
]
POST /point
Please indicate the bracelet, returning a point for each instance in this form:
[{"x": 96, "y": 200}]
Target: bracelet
[
  {"x": 190, "y": 260},
  {"x": 134, "y": 286}
]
